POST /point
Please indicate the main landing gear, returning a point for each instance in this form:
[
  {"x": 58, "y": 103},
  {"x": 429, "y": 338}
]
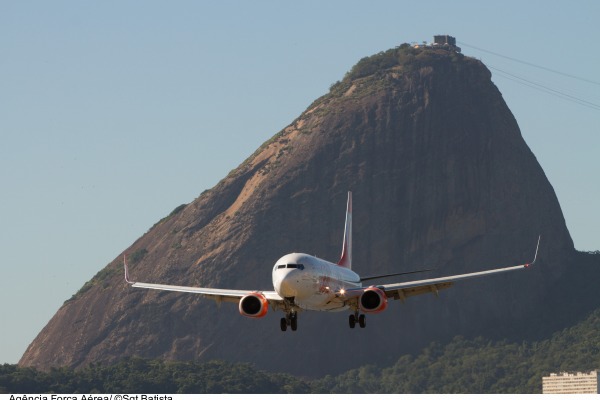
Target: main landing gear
[
  {"x": 291, "y": 320},
  {"x": 354, "y": 318}
]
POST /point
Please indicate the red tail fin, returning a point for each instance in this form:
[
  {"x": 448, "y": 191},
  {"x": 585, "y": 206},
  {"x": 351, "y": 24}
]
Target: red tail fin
[{"x": 346, "y": 259}]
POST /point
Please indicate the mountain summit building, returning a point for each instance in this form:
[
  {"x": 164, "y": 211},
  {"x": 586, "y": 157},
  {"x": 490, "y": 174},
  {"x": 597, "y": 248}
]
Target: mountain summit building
[{"x": 446, "y": 41}]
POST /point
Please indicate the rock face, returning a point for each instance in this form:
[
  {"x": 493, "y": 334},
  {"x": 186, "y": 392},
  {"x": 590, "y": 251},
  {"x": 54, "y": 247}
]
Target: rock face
[{"x": 441, "y": 177}]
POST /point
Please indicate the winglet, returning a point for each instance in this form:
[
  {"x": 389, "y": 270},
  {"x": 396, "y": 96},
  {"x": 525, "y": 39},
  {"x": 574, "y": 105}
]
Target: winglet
[
  {"x": 346, "y": 258},
  {"x": 536, "y": 253},
  {"x": 126, "y": 269}
]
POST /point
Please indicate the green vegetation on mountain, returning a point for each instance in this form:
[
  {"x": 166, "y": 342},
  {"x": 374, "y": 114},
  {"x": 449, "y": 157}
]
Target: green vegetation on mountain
[
  {"x": 479, "y": 365},
  {"x": 461, "y": 366},
  {"x": 404, "y": 57},
  {"x": 136, "y": 375},
  {"x": 104, "y": 275}
]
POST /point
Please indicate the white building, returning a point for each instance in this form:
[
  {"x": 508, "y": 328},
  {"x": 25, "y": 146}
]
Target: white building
[{"x": 577, "y": 382}]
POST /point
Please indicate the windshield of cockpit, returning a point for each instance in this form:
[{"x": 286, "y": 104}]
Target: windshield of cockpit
[{"x": 298, "y": 266}]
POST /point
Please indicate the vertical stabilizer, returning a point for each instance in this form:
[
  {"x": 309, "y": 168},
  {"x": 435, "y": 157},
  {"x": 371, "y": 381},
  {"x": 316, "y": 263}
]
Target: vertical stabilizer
[{"x": 346, "y": 259}]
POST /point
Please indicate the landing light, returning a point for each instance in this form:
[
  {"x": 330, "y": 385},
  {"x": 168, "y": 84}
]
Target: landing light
[{"x": 342, "y": 291}]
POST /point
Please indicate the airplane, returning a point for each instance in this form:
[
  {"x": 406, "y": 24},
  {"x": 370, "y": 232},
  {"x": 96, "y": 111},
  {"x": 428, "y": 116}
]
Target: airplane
[{"x": 303, "y": 282}]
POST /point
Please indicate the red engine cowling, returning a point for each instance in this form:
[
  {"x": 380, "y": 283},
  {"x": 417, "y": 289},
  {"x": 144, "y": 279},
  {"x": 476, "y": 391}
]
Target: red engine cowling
[
  {"x": 254, "y": 305},
  {"x": 373, "y": 300}
]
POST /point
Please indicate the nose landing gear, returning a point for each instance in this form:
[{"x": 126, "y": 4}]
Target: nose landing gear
[{"x": 291, "y": 320}]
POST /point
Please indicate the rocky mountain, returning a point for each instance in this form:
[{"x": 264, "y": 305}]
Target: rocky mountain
[{"x": 441, "y": 177}]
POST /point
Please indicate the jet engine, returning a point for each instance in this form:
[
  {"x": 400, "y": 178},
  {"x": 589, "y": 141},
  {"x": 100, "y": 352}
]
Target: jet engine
[
  {"x": 254, "y": 305},
  {"x": 373, "y": 300}
]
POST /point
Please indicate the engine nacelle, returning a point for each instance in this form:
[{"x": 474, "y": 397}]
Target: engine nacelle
[
  {"x": 373, "y": 300},
  {"x": 254, "y": 305}
]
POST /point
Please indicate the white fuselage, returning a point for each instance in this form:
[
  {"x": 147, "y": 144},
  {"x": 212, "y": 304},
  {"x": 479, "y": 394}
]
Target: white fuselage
[{"x": 312, "y": 282}]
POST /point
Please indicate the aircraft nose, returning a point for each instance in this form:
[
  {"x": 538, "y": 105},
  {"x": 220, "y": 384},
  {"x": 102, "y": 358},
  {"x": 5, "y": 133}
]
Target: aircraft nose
[{"x": 287, "y": 283}]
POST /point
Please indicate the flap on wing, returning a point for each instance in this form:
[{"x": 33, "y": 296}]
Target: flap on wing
[{"x": 401, "y": 294}]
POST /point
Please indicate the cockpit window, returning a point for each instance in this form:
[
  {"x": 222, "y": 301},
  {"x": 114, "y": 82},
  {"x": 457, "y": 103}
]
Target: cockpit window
[{"x": 296, "y": 266}]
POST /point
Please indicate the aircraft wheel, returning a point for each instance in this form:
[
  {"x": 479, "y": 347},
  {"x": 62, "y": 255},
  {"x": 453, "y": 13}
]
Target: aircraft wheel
[
  {"x": 362, "y": 320},
  {"x": 352, "y": 321},
  {"x": 283, "y": 324},
  {"x": 294, "y": 322}
]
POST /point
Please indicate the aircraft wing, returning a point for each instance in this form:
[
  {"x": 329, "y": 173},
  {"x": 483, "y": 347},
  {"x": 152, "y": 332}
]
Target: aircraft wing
[
  {"x": 399, "y": 291},
  {"x": 227, "y": 295},
  {"x": 231, "y": 295}
]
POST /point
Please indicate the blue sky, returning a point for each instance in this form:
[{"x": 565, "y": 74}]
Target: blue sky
[{"x": 113, "y": 113}]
